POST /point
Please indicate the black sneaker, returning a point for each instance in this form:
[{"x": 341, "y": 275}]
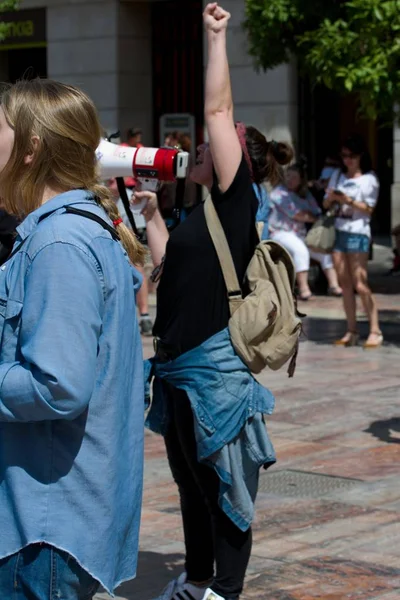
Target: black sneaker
[{"x": 146, "y": 325}]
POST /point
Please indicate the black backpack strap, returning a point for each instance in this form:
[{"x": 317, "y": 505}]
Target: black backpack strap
[
  {"x": 81, "y": 213},
  {"x": 88, "y": 215},
  {"x": 17, "y": 249}
]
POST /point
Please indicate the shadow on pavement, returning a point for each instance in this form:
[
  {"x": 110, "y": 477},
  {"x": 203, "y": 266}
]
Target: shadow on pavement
[
  {"x": 383, "y": 430},
  {"x": 384, "y": 284},
  {"x": 324, "y": 331},
  {"x": 155, "y": 570}
]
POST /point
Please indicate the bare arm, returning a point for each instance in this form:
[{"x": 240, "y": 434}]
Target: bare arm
[
  {"x": 358, "y": 205},
  {"x": 157, "y": 232},
  {"x": 305, "y": 216},
  {"x": 331, "y": 198},
  {"x": 327, "y": 203},
  {"x": 157, "y": 238},
  {"x": 224, "y": 142}
]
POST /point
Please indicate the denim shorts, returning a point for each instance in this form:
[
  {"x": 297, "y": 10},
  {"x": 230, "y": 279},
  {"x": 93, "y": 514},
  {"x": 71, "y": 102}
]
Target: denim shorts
[{"x": 351, "y": 242}]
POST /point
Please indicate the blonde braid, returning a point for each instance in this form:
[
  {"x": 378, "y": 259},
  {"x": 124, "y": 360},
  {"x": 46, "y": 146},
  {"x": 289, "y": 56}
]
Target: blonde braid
[{"x": 135, "y": 250}]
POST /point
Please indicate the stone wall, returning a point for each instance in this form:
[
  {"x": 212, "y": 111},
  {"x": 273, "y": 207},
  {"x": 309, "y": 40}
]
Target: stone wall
[
  {"x": 396, "y": 179},
  {"x": 104, "y": 47},
  {"x": 267, "y": 101}
]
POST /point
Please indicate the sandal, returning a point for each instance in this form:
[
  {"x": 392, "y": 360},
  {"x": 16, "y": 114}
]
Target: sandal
[
  {"x": 335, "y": 291},
  {"x": 377, "y": 344},
  {"x": 349, "y": 340},
  {"x": 306, "y": 297}
]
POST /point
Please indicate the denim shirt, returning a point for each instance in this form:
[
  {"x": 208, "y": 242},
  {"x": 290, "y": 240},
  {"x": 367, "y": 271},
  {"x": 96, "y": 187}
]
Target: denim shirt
[
  {"x": 264, "y": 209},
  {"x": 228, "y": 406},
  {"x": 71, "y": 393}
]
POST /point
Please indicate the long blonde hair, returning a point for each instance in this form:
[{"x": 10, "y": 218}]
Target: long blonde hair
[{"x": 64, "y": 120}]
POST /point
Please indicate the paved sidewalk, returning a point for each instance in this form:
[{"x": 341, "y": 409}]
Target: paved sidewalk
[{"x": 327, "y": 523}]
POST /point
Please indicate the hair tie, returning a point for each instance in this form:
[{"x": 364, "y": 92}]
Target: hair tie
[
  {"x": 241, "y": 131},
  {"x": 117, "y": 222},
  {"x": 274, "y": 145}
]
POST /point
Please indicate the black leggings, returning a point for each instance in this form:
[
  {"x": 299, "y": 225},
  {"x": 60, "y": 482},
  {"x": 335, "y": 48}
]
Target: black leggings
[{"x": 210, "y": 536}]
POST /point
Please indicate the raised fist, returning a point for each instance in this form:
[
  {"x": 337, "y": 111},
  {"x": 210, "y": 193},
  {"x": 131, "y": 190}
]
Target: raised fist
[{"x": 215, "y": 17}]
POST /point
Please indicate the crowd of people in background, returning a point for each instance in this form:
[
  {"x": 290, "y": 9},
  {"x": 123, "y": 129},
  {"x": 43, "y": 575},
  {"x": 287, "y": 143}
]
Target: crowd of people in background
[
  {"x": 288, "y": 208},
  {"x": 286, "y": 212},
  {"x": 293, "y": 209}
]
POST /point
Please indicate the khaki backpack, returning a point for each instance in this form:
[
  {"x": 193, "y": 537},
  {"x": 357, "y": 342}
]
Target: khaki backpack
[{"x": 265, "y": 326}]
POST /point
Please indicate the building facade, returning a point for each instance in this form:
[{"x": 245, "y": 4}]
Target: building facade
[
  {"x": 106, "y": 47},
  {"x": 141, "y": 59}
]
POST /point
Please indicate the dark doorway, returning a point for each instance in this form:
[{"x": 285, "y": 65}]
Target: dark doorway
[
  {"x": 27, "y": 63},
  {"x": 319, "y": 124},
  {"x": 325, "y": 119},
  {"x": 178, "y": 60}
]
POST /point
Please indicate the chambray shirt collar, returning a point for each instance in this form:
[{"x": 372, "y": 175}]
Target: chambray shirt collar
[{"x": 65, "y": 199}]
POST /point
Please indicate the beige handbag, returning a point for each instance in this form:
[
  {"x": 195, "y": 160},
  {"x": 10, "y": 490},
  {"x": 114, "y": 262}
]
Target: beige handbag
[
  {"x": 322, "y": 235},
  {"x": 264, "y": 326}
]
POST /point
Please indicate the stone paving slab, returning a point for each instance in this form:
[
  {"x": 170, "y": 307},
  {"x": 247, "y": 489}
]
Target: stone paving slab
[{"x": 339, "y": 416}]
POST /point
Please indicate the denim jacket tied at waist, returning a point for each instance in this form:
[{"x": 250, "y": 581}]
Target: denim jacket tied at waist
[{"x": 228, "y": 406}]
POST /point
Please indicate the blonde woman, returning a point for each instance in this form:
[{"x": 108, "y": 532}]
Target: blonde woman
[{"x": 71, "y": 384}]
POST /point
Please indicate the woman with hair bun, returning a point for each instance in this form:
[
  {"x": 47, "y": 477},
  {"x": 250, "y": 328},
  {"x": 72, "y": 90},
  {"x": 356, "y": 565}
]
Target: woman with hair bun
[
  {"x": 205, "y": 400},
  {"x": 293, "y": 206},
  {"x": 71, "y": 372}
]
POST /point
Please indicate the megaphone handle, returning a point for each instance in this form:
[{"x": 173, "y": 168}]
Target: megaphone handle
[{"x": 125, "y": 201}]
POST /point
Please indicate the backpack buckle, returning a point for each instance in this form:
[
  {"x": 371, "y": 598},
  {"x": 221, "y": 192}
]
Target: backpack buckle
[{"x": 235, "y": 294}]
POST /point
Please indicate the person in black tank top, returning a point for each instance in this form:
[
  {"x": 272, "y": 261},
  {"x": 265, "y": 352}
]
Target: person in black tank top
[
  {"x": 191, "y": 297},
  {"x": 192, "y": 306}
]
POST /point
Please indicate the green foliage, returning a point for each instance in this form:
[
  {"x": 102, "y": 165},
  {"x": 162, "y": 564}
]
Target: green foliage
[
  {"x": 6, "y": 6},
  {"x": 349, "y": 45}
]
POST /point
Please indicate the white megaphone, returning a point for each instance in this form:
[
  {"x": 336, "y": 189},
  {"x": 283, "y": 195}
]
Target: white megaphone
[{"x": 150, "y": 166}]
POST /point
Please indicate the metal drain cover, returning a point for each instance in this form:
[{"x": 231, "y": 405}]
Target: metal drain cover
[{"x": 301, "y": 484}]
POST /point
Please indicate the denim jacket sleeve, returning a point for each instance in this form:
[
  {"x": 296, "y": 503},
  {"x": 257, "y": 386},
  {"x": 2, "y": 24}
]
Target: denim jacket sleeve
[{"x": 55, "y": 371}]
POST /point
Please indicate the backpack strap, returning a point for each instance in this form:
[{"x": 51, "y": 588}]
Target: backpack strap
[
  {"x": 224, "y": 254},
  {"x": 89, "y": 215},
  {"x": 73, "y": 211}
]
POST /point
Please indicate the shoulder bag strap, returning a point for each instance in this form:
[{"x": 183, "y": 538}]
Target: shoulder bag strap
[
  {"x": 224, "y": 254},
  {"x": 333, "y": 211},
  {"x": 125, "y": 201}
]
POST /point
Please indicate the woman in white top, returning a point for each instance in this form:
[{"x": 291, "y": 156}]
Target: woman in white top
[
  {"x": 354, "y": 191},
  {"x": 292, "y": 206}
]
